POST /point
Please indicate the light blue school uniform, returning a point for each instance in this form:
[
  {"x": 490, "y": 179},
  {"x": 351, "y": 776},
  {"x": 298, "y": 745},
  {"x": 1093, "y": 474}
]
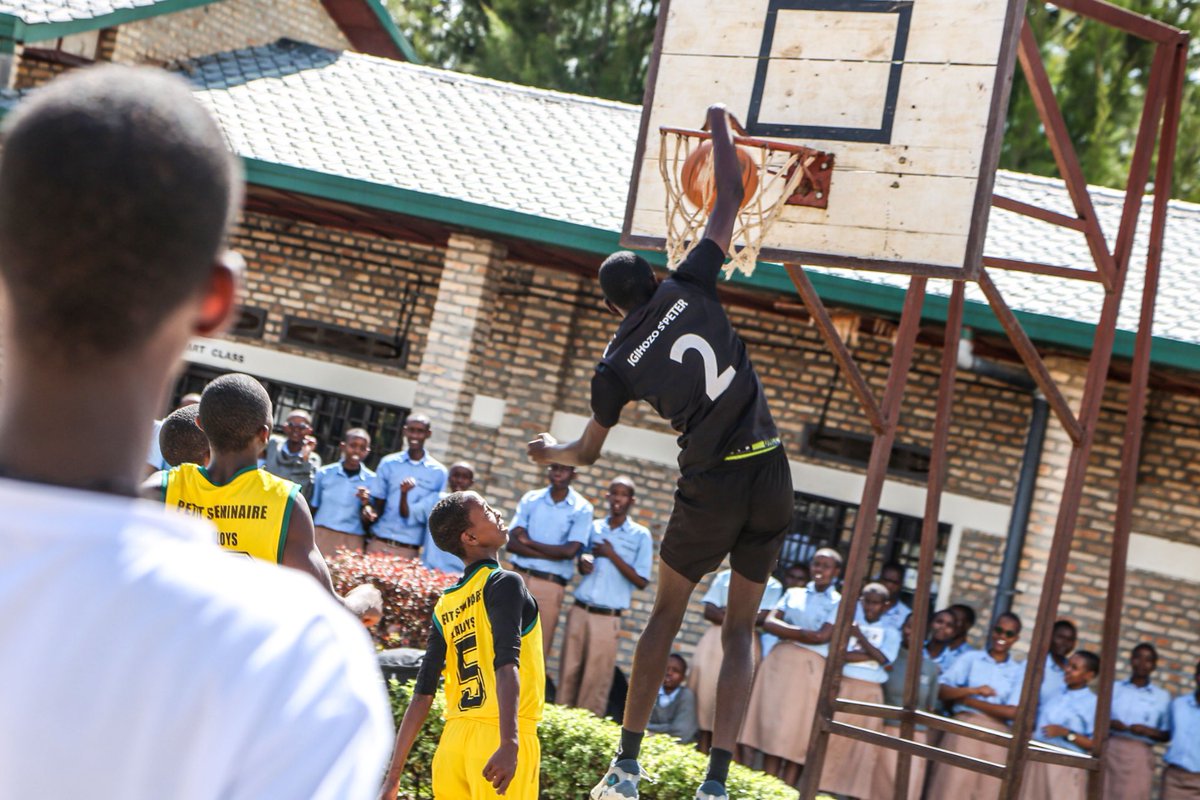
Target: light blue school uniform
[
  {"x": 1184, "y": 724},
  {"x": 894, "y": 617},
  {"x": 433, "y": 556},
  {"x": 946, "y": 658},
  {"x": 886, "y": 639},
  {"x": 1140, "y": 705},
  {"x": 1054, "y": 681},
  {"x": 552, "y": 523},
  {"x": 718, "y": 590},
  {"x": 1074, "y": 709},
  {"x": 430, "y": 476},
  {"x": 807, "y": 608},
  {"x": 336, "y": 500},
  {"x": 977, "y": 668},
  {"x": 606, "y": 587},
  {"x": 771, "y": 596}
]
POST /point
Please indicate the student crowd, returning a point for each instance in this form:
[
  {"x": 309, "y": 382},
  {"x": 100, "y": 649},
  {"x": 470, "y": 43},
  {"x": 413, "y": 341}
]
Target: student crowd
[{"x": 555, "y": 535}]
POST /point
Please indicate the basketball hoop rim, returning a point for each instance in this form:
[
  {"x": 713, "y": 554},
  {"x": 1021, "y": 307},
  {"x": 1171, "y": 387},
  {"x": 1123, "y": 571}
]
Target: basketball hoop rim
[{"x": 748, "y": 141}]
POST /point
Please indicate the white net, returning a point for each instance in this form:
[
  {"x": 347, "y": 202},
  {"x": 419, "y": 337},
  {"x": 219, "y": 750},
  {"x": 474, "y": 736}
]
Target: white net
[{"x": 780, "y": 171}]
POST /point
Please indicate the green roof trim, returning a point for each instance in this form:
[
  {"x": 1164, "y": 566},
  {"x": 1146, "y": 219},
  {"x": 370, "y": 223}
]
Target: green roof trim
[
  {"x": 834, "y": 289},
  {"x": 389, "y": 25},
  {"x": 14, "y": 28}
]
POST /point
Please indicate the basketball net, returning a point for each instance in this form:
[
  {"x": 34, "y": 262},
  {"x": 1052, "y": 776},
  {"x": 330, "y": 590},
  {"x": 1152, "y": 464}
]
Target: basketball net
[{"x": 781, "y": 169}]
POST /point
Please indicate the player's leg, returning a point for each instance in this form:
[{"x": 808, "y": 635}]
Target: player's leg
[{"x": 649, "y": 664}]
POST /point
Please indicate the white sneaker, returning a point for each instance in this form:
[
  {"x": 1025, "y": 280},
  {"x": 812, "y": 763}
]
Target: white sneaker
[
  {"x": 711, "y": 790},
  {"x": 620, "y": 782}
]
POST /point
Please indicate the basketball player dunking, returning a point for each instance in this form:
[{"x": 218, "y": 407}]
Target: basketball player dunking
[{"x": 676, "y": 349}]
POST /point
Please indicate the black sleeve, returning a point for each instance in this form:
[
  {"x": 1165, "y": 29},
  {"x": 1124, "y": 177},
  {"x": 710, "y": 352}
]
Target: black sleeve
[
  {"x": 609, "y": 396},
  {"x": 702, "y": 266},
  {"x": 433, "y": 663},
  {"x": 504, "y": 601}
]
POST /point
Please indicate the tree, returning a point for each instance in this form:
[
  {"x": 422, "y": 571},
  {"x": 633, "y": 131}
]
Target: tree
[
  {"x": 598, "y": 48},
  {"x": 1099, "y": 75}
]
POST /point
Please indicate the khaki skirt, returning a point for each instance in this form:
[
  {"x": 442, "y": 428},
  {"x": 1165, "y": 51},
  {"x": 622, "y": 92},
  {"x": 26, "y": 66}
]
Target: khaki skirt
[
  {"x": 1128, "y": 769},
  {"x": 1053, "y": 782},
  {"x": 883, "y": 782},
  {"x": 783, "y": 702},
  {"x": 849, "y": 763},
  {"x": 954, "y": 783},
  {"x": 702, "y": 679}
]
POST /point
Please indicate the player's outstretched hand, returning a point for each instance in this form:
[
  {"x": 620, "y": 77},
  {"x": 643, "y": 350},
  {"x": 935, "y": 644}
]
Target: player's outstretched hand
[
  {"x": 537, "y": 449},
  {"x": 501, "y": 767}
]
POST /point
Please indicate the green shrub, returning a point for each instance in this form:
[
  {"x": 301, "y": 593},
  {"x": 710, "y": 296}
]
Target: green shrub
[
  {"x": 409, "y": 593},
  {"x": 576, "y": 750}
]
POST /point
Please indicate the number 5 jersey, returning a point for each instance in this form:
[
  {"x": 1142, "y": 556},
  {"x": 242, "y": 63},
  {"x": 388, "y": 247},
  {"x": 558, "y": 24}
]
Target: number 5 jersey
[
  {"x": 485, "y": 621},
  {"x": 679, "y": 353}
]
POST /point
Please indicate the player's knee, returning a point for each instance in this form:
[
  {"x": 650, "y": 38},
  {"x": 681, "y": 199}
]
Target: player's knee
[{"x": 737, "y": 638}]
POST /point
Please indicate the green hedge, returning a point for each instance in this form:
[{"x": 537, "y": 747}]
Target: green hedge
[{"x": 576, "y": 749}]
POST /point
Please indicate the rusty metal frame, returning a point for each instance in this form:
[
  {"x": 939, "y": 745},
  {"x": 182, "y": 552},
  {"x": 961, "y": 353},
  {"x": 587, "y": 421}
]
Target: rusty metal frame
[{"x": 1159, "y": 126}]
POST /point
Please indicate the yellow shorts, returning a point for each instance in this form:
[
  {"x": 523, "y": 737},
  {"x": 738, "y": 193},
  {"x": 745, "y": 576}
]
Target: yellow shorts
[{"x": 463, "y": 752}]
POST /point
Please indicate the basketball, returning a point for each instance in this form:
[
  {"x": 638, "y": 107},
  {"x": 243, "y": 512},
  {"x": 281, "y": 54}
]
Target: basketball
[{"x": 697, "y": 176}]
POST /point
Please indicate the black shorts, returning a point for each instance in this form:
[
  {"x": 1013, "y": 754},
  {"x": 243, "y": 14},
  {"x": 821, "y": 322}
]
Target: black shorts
[{"x": 741, "y": 509}]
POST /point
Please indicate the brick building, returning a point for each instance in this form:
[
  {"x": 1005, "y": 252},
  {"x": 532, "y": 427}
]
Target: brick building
[{"x": 418, "y": 239}]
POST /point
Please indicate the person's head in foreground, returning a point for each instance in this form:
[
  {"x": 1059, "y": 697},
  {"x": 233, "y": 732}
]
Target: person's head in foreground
[
  {"x": 627, "y": 281},
  {"x": 462, "y": 523},
  {"x": 180, "y": 439},
  {"x": 1063, "y": 639},
  {"x": 116, "y": 195},
  {"x": 943, "y": 627},
  {"x": 1143, "y": 660},
  {"x": 235, "y": 413},
  {"x": 676, "y": 672}
]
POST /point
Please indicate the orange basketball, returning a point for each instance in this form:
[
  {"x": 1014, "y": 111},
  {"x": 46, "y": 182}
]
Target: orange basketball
[{"x": 697, "y": 176}]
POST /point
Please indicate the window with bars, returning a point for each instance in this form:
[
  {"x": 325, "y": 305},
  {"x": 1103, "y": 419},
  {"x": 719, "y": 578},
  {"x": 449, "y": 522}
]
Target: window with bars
[
  {"x": 822, "y": 522},
  {"x": 333, "y": 414}
]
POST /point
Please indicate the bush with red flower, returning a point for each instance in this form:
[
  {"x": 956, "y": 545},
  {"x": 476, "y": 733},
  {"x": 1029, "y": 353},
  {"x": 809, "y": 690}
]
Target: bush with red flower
[{"x": 409, "y": 590}]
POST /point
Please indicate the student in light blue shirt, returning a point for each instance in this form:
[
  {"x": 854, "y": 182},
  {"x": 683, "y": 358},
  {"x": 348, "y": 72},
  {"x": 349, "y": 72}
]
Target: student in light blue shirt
[
  {"x": 460, "y": 479},
  {"x": 1067, "y": 720},
  {"x": 788, "y": 682},
  {"x": 550, "y": 528},
  {"x": 982, "y": 687},
  {"x": 1062, "y": 643},
  {"x": 340, "y": 491},
  {"x": 850, "y": 764},
  {"x": 942, "y": 630},
  {"x": 1181, "y": 778},
  {"x": 891, "y": 576},
  {"x": 1139, "y": 721},
  {"x": 617, "y": 561},
  {"x": 402, "y": 480}
]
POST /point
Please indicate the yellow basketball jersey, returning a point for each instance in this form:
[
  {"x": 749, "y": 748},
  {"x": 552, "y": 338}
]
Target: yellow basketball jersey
[
  {"x": 251, "y": 511},
  {"x": 470, "y": 677}
]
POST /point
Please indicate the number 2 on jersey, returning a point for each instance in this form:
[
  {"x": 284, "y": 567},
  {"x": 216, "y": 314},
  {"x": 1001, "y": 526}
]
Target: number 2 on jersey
[
  {"x": 469, "y": 680},
  {"x": 714, "y": 384}
]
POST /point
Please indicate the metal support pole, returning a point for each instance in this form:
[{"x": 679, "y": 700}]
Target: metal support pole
[{"x": 864, "y": 528}]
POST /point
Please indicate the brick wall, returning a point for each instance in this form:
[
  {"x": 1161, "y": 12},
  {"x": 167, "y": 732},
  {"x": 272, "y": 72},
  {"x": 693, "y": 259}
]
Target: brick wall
[
  {"x": 225, "y": 25},
  {"x": 351, "y": 279}
]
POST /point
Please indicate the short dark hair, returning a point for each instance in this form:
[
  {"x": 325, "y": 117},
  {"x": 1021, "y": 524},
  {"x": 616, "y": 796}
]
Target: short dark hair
[
  {"x": 1145, "y": 646},
  {"x": 233, "y": 409},
  {"x": 893, "y": 566},
  {"x": 681, "y": 660},
  {"x": 449, "y": 518},
  {"x": 1091, "y": 659},
  {"x": 967, "y": 612},
  {"x": 116, "y": 195},
  {"x": 181, "y": 440},
  {"x": 627, "y": 280},
  {"x": 1066, "y": 623},
  {"x": 1010, "y": 615}
]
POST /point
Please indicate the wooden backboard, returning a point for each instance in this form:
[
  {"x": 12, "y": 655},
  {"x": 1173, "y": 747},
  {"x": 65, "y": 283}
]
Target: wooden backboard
[{"x": 909, "y": 95}]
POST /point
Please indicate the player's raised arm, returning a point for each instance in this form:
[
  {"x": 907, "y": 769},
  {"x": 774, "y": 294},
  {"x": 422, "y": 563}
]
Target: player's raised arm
[{"x": 727, "y": 175}]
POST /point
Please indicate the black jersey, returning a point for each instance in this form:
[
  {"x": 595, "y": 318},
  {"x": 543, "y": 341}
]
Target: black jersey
[{"x": 680, "y": 353}]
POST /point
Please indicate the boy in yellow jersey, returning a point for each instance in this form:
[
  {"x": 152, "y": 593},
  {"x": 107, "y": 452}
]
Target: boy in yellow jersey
[
  {"x": 256, "y": 514},
  {"x": 495, "y": 676}
]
